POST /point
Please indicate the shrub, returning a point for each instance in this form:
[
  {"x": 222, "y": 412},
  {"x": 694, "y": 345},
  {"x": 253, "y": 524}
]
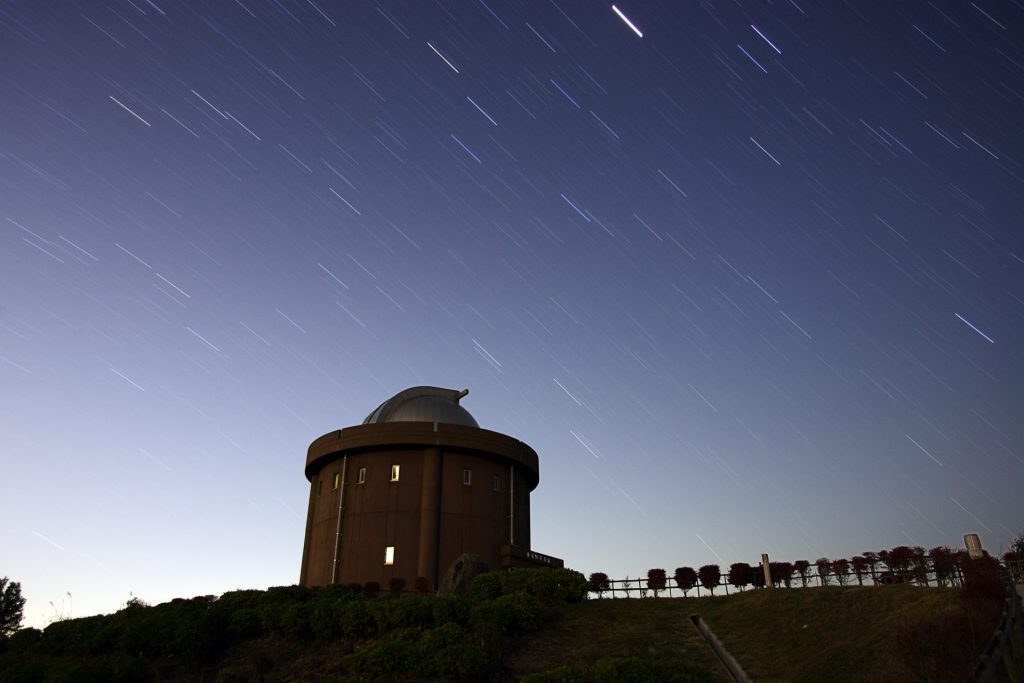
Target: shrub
[
  {"x": 782, "y": 573},
  {"x": 356, "y": 587},
  {"x": 802, "y": 567},
  {"x": 396, "y": 586},
  {"x": 860, "y": 565},
  {"x": 509, "y": 615},
  {"x": 371, "y": 589},
  {"x": 685, "y": 578},
  {"x": 553, "y": 586},
  {"x": 824, "y": 567},
  {"x": 550, "y": 585},
  {"x": 656, "y": 580},
  {"x": 841, "y": 568},
  {"x": 899, "y": 560},
  {"x": 23, "y": 639},
  {"x": 598, "y": 583},
  {"x": 710, "y": 576},
  {"x": 741, "y": 574},
  {"x": 437, "y": 654},
  {"x": 421, "y": 585},
  {"x": 943, "y": 564}
]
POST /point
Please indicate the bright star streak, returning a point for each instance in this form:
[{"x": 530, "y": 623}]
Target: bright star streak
[
  {"x": 758, "y": 31},
  {"x": 628, "y": 22},
  {"x": 974, "y": 328}
]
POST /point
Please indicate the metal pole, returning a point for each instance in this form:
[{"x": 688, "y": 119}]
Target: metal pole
[{"x": 341, "y": 507}]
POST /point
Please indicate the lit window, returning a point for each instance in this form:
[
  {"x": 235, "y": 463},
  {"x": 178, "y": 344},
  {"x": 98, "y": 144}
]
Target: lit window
[
  {"x": 467, "y": 476},
  {"x": 389, "y": 553},
  {"x": 394, "y": 473},
  {"x": 362, "y": 476},
  {"x": 497, "y": 483},
  {"x": 337, "y": 480}
]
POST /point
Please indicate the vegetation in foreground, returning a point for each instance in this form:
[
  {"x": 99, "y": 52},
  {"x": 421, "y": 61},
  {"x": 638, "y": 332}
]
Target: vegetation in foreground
[{"x": 530, "y": 625}]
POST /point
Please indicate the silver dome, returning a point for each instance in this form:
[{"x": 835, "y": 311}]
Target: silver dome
[{"x": 423, "y": 404}]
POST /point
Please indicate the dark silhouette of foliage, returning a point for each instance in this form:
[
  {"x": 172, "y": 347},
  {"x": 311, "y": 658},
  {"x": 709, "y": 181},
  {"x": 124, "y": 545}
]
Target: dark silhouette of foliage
[
  {"x": 782, "y": 573},
  {"x": 860, "y": 567},
  {"x": 355, "y": 587},
  {"x": 841, "y": 569},
  {"x": 919, "y": 564},
  {"x": 12, "y": 606},
  {"x": 685, "y": 578},
  {"x": 872, "y": 559},
  {"x": 710, "y": 576},
  {"x": 740, "y": 574},
  {"x": 599, "y": 583},
  {"x": 396, "y": 586},
  {"x": 943, "y": 564},
  {"x": 801, "y": 567},
  {"x": 421, "y": 585},
  {"x": 757, "y": 575},
  {"x": 656, "y": 580},
  {"x": 371, "y": 589},
  {"x": 824, "y": 566},
  {"x": 899, "y": 560}
]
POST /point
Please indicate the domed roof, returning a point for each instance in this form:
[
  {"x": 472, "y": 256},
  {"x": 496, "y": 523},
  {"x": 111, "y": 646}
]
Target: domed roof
[{"x": 423, "y": 404}]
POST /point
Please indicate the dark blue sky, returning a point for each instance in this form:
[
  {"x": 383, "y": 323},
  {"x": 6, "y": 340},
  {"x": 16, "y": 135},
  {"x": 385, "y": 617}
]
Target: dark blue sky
[{"x": 752, "y": 282}]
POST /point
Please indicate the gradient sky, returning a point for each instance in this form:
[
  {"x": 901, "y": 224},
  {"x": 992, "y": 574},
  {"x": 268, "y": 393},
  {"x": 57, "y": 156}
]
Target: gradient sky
[{"x": 750, "y": 282}]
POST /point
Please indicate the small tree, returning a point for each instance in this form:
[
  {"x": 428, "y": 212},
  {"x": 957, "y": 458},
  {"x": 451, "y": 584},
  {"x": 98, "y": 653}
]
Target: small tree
[
  {"x": 841, "y": 568},
  {"x": 860, "y": 566},
  {"x": 685, "y": 578},
  {"x": 824, "y": 566},
  {"x": 740, "y": 574},
  {"x": 599, "y": 583},
  {"x": 872, "y": 564},
  {"x": 900, "y": 559},
  {"x": 656, "y": 580},
  {"x": 783, "y": 571},
  {"x": 396, "y": 586},
  {"x": 12, "y": 606},
  {"x": 943, "y": 564},
  {"x": 802, "y": 567},
  {"x": 710, "y": 576}
]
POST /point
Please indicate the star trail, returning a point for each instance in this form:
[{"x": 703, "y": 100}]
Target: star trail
[{"x": 748, "y": 276}]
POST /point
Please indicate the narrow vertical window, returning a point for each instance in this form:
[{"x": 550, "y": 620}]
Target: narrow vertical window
[
  {"x": 319, "y": 487},
  {"x": 394, "y": 473},
  {"x": 337, "y": 480},
  {"x": 497, "y": 483},
  {"x": 467, "y": 476},
  {"x": 389, "y": 555},
  {"x": 362, "y": 476}
]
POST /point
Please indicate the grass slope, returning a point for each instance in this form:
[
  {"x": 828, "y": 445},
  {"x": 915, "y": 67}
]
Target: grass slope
[{"x": 886, "y": 633}]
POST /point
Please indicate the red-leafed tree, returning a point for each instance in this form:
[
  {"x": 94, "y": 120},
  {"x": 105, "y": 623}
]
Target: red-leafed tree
[
  {"x": 599, "y": 583},
  {"x": 899, "y": 560},
  {"x": 782, "y": 573},
  {"x": 872, "y": 559},
  {"x": 710, "y": 576},
  {"x": 740, "y": 574},
  {"x": 841, "y": 569},
  {"x": 943, "y": 564},
  {"x": 802, "y": 567},
  {"x": 685, "y": 578},
  {"x": 824, "y": 566},
  {"x": 860, "y": 567},
  {"x": 656, "y": 580}
]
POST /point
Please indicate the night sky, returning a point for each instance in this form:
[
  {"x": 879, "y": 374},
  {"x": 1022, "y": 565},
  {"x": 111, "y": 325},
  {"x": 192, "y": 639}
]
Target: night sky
[{"x": 752, "y": 281}]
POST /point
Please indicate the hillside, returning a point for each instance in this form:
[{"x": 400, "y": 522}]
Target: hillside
[{"x": 528, "y": 625}]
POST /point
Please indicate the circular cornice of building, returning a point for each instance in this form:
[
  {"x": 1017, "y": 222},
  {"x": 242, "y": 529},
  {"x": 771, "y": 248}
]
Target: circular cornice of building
[
  {"x": 385, "y": 437},
  {"x": 423, "y": 404}
]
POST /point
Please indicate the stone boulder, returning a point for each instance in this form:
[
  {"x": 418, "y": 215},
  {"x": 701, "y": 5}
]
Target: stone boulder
[{"x": 460, "y": 573}]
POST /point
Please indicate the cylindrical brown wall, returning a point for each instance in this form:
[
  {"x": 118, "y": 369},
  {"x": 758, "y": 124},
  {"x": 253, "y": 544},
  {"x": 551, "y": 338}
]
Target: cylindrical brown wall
[{"x": 429, "y": 516}]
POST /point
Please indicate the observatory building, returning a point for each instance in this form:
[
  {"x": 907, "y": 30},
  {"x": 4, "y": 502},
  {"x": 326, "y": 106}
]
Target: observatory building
[{"x": 412, "y": 488}]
